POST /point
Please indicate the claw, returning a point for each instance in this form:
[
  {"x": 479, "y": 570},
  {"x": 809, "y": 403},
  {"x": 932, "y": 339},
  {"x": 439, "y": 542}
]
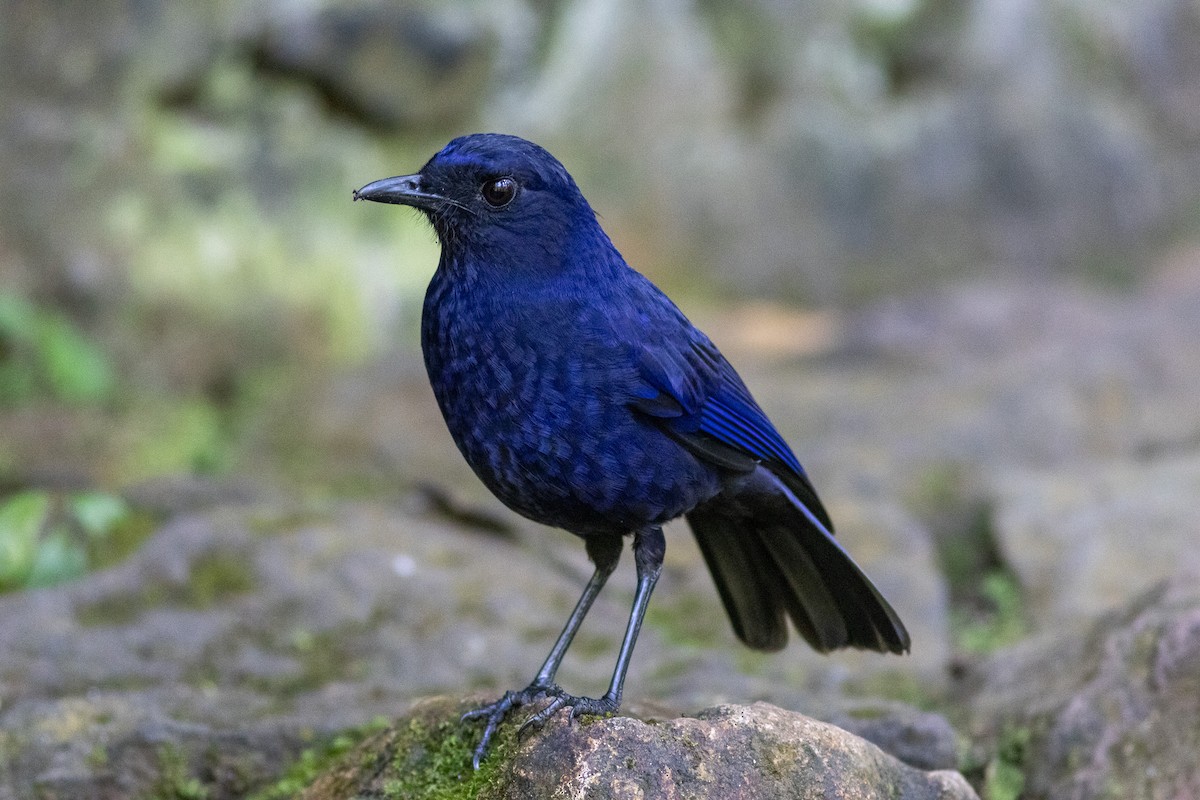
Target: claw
[
  {"x": 539, "y": 719},
  {"x": 495, "y": 713},
  {"x": 599, "y": 706},
  {"x": 500, "y": 707}
]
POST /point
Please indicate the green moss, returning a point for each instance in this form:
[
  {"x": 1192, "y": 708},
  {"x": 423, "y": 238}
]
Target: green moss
[
  {"x": 592, "y": 645},
  {"x": 173, "y": 435},
  {"x": 433, "y": 761},
  {"x": 671, "y": 669},
  {"x": 868, "y": 712},
  {"x": 214, "y": 576},
  {"x": 10, "y": 747},
  {"x": 271, "y": 523},
  {"x": 961, "y": 524},
  {"x": 315, "y": 760},
  {"x": 97, "y": 757},
  {"x": 426, "y": 756},
  {"x": 896, "y": 37},
  {"x": 895, "y": 685},
  {"x": 122, "y": 539},
  {"x": 324, "y": 657},
  {"x": 686, "y": 619}
]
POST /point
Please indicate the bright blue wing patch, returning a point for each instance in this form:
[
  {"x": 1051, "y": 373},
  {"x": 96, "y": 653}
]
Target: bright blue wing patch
[
  {"x": 739, "y": 422},
  {"x": 698, "y": 391}
]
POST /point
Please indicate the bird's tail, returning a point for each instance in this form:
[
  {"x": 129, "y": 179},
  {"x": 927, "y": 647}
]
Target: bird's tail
[{"x": 773, "y": 558}]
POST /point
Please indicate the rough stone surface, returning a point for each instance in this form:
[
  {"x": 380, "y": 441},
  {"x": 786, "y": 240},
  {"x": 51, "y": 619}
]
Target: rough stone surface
[
  {"x": 237, "y": 636},
  {"x": 757, "y": 751},
  {"x": 1073, "y": 536},
  {"x": 919, "y": 738},
  {"x": 1107, "y": 715},
  {"x": 1035, "y": 376}
]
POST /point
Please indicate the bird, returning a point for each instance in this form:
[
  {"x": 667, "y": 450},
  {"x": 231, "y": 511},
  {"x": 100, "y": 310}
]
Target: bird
[{"x": 585, "y": 400}]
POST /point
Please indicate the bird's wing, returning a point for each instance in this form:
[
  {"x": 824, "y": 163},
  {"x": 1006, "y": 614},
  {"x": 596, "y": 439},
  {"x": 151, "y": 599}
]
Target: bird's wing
[{"x": 698, "y": 399}]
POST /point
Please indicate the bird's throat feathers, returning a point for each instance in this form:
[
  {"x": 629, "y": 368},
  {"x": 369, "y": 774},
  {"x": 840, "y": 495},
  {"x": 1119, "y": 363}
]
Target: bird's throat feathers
[{"x": 505, "y": 256}]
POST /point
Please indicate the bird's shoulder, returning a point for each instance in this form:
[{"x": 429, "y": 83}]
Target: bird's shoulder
[{"x": 697, "y": 396}]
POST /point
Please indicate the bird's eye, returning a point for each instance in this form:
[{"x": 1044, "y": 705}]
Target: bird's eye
[{"x": 499, "y": 192}]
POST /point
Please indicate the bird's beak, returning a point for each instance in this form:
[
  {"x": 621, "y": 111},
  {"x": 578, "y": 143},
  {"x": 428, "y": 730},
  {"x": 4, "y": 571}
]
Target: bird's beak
[{"x": 404, "y": 190}]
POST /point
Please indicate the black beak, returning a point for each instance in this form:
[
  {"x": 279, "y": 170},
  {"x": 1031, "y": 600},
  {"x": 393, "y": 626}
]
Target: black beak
[{"x": 404, "y": 190}]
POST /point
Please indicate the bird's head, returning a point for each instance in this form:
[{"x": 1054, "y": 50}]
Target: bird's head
[{"x": 491, "y": 193}]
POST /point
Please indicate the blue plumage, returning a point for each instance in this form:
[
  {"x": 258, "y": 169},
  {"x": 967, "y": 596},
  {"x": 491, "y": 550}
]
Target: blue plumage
[{"x": 584, "y": 399}]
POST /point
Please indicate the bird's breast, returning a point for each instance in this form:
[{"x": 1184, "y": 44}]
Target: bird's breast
[{"x": 537, "y": 401}]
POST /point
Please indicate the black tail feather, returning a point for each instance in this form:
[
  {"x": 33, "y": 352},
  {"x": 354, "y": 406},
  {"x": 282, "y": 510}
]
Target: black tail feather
[
  {"x": 769, "y": 557},
  {"x": 747, "y": 579}
]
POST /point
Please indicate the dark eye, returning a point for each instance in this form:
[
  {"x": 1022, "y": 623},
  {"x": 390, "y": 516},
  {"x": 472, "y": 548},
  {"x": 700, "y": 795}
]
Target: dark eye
[{"x": 499, "y": 192}]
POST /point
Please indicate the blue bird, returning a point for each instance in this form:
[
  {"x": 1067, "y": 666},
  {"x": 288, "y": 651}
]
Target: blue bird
[{"x": 584, "y": 399}]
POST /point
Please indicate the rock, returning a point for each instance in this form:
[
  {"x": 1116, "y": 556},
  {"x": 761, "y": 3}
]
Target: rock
[
  {"x": 920, "y": 739},
  {"x": 1047, "y": 375},
  {"x": 240, "y": 634},
  {"x": 1104, "y": 715},
  {"x": 111, "y": 745},
  {"x": 386, "y": 65},
  {"x": 862, "y": 147},
  {"x": 1071, "y": 535},
  {"x": 173, "y": 495},
  {"x": 756, "y": 751}
]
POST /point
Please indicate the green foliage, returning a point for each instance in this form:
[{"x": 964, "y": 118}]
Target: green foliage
[
  {"x": 1003, "y": 624},
  {"x": 986, "y": 600},
  {"x": 59, "y": 558},
  {"x": 47, "y": 538},
  {"x": 43, "y": 355},
  {"x": 215, "y": 224},
  {"x": 175, "y": 781},
  {"x": 1004, "y": 778},
  {"x": 22, "y": 518},
  {"x": 97, "y": 513},
  {"x": 899, "y": 685},
  {"x": 188, "y": 435}
]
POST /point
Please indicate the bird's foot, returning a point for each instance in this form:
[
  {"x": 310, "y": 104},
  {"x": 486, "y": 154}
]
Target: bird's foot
[
  {"x": 602, "y": 706},
  {"x": 495, "y": 713}
]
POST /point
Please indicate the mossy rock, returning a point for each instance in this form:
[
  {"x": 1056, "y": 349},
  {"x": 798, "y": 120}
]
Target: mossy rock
[{"x": 726, "y": 751}]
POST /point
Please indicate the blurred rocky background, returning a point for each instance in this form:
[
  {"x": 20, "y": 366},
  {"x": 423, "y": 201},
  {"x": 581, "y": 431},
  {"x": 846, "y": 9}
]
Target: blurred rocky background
[{"x": 953, "y": 246}]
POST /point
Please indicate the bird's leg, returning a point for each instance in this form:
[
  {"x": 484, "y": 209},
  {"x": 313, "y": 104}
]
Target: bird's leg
[
  {"x": 605, "y": 552},
  {"x": 649, "y": 547}
]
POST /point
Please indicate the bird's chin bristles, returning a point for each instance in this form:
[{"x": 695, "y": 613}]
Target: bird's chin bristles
[{"x": 446, "y": 226}]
